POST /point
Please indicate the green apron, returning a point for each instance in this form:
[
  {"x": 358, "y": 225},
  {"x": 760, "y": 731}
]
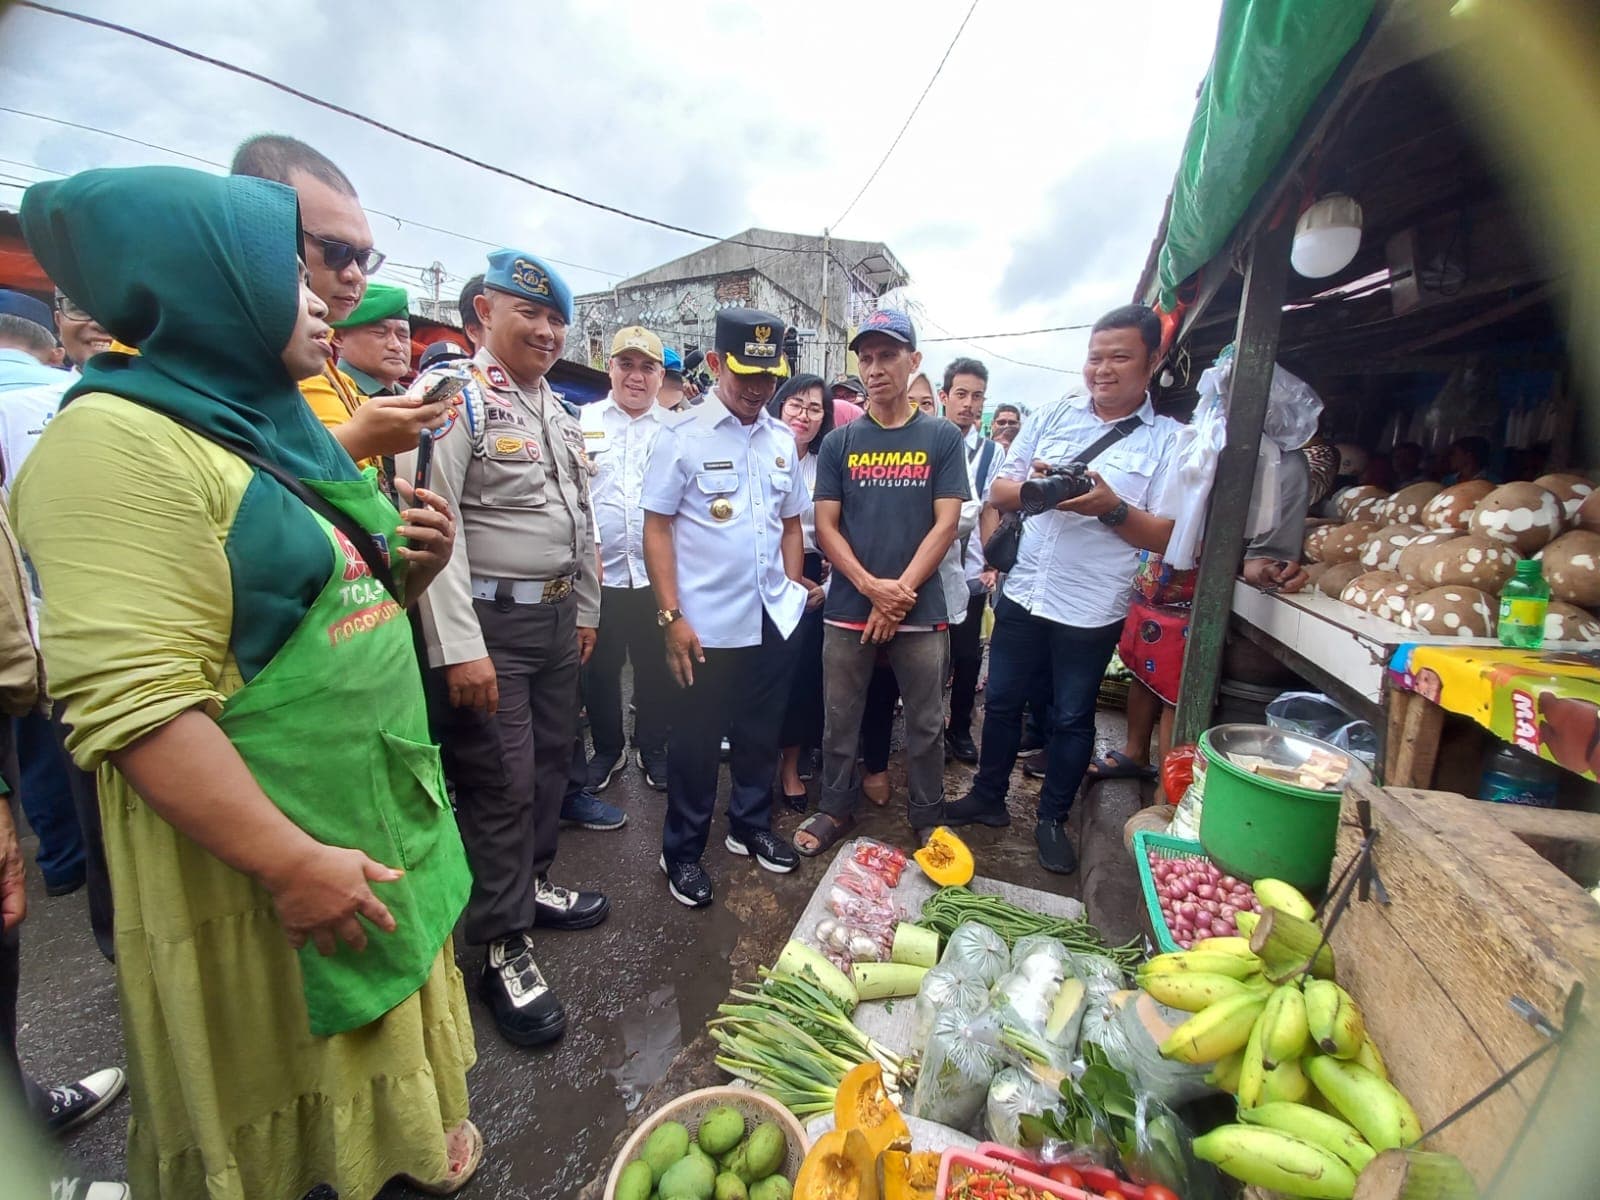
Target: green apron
[{"x": 334, "y": 728}]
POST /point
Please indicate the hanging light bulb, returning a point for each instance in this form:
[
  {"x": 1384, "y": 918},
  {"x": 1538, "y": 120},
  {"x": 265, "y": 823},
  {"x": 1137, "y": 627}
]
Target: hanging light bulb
[{"x": 1327, "y": 236}]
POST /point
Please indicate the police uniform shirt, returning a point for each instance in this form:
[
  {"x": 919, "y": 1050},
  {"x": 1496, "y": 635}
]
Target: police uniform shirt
[
  {"x": 618, "y": 447},
  {"x": 729, "y": 487},
  {"x": 521, "y": 498}
]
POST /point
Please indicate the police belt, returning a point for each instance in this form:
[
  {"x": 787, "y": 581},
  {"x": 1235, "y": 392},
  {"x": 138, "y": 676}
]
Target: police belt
[{"x": 521, "y": 591}]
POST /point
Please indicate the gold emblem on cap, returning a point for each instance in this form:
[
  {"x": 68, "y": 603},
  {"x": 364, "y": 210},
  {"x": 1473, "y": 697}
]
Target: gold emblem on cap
[
  {"x": 530, "y": 278},
  {"x": 763, "y": 333},
  {"x": 721, "y": 508}
]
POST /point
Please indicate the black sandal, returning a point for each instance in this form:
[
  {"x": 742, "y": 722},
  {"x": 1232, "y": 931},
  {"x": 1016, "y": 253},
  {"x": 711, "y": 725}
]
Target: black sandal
[
  {"x": 813, "y": 827},
  {"x": 799, "y": 802}
]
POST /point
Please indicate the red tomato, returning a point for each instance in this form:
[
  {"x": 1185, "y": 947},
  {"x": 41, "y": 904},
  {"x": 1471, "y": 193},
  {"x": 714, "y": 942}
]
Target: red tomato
[
  {"x": 1065, "y": 1173},
  {"x": 1154, "y": 1191},
  {"x": 1113, "y": 1195}
]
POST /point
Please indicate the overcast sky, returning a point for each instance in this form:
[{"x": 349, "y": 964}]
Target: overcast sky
[{"x": 1025, "y": 193}]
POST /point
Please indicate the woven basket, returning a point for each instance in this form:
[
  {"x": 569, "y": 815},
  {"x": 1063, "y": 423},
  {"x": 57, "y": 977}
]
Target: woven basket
[{"x": 689, "y": 1108}]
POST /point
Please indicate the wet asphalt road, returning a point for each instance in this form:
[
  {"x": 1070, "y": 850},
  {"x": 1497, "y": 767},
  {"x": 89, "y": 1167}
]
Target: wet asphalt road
[{"x": 638, "y": 989}]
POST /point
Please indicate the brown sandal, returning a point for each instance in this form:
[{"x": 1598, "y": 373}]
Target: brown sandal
[
  {"x": 825, "y": 830},
  {"x": 462, "y": 1171}
]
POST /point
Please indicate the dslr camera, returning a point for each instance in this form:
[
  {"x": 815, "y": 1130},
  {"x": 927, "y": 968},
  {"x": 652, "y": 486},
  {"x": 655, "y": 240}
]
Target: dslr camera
[{"x": 1044, "y": 492}]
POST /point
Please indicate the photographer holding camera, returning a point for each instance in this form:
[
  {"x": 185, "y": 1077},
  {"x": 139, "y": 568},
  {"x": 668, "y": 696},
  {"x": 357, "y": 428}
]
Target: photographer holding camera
[{"x": 1084, "y": 470}]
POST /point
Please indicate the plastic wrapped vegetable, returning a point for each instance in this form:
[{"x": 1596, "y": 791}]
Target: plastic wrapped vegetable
[
  {"x": 1014, "y": 1094},
  {"x": 1032, "y": 953},
  {"x": 948, "y": 986},
  {"x": 1097, "y": 969},
  {"x": 955, "y": 1076},
  {"x": 1033, "y": 1013},
  {"x": 978, "y": 950},
  {"x": 1130, "y": 1027}
]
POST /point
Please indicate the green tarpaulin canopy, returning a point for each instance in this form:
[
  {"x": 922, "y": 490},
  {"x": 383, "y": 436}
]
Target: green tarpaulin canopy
[{"x": 1272, "y": 59}]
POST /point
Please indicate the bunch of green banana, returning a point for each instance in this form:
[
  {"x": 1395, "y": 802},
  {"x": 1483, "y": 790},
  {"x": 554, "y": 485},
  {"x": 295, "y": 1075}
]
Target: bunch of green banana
[{"x": 1282, "y": 1040}]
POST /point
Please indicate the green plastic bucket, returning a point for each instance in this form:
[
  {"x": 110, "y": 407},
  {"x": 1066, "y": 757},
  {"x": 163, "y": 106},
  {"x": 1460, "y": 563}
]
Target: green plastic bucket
[{"x": 1259, "y": 828}]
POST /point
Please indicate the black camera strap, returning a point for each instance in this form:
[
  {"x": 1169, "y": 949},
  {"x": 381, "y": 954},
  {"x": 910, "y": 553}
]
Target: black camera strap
[{"x": 1109, "y": 439}]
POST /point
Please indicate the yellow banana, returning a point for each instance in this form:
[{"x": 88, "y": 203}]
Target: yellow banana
[
  {"x": 1252, "y": 1071},
  {"x": 1373, "y": 1105},
  {"x": 1217, "y": 1031},
  {"x": 1272, "y": 1159},
  {"x": 1225, "y": 1074},
  {"x": 1283, "y": 1035},
  {"x": 1203, "y": 963},
  {"x": 1274, "y": 893},
  {"x": 1194, "y": 991},
  {"x": 1334, "y": 1019},
  {"x": 1285, "y": 1082},
  {"x": 1315, "y": 1127},
  {"x": 1369, "y": 1058},
  {"x": 1245, "y": 921},
  {"x": 1225, "y": 945}
]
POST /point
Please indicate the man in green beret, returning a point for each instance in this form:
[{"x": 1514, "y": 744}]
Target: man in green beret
[{"x": 374, "y": 341}]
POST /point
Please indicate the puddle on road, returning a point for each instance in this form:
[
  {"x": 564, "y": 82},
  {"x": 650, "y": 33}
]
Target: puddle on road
[{"x": 651, "y": 1039}]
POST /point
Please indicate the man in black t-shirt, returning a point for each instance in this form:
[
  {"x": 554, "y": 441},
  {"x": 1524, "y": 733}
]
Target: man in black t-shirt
[{"x": 888, "y": 496}]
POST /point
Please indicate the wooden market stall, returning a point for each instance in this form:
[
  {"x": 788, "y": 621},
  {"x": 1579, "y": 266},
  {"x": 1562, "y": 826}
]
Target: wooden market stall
[{"x": 1446, "y": 322}]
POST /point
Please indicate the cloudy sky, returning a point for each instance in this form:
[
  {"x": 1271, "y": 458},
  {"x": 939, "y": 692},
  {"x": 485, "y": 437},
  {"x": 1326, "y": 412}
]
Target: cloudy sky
[{"x": 1024, "y": 194}]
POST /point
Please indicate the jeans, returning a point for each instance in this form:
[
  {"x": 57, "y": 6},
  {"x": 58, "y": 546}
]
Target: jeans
[
  {"x": 740, "y": 692},
  {"x": 919, "y": 662},
  {"x": 628, "y": 631},
  {"x": 47, "y": 800},
  {"x": 1057, "y": 667},
  {"x": 966, "y": 658}
]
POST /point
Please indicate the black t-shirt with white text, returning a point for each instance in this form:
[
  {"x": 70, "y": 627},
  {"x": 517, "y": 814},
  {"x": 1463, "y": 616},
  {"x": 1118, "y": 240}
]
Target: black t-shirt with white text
[{"x": 886, "y": 481}]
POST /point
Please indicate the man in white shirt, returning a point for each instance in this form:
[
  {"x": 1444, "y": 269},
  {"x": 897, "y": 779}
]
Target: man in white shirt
[
  {"x": 1062, "y": 606},
  {"x": 966, "y": 382},
  {"x": 619, "y": 433},
  {"x": 723, "y": 549}
]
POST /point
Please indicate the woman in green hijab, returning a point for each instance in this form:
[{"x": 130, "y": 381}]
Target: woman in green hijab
[{"x": 223, "y": 620}]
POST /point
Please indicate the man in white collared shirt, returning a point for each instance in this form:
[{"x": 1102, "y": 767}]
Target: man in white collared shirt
[
  {"x": 619, "y": 434},
  {"x": 966, "y": 383},
  {"x": 723, "y": 549},
  {"x": 1062, "y": 607}
]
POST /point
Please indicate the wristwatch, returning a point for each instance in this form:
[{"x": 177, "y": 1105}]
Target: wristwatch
[
  {"x": 666, "y": 616},
  {"x": 1116, "y": 516}
]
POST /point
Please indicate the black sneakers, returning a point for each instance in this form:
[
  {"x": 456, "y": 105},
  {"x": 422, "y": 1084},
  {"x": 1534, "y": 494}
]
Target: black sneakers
[
  {"x": 960, "y": 746},
  {"x": 562, "y": 908},
  {"x": 1055, "y": 848},
  {"x": 688, "y": 883},
  {"x": 601, "y": 772},
  {"x": 72, "y": 1104},
  {"x": 771, "y": 852},
  {"x": 525, "y": 1009},
  {"x": 972, "y": 810},
  {"x": 654, "y": 767}
]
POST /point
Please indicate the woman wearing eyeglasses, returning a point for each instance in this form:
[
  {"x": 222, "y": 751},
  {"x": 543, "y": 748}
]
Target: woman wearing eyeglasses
[
  {"x": 804, "y": 406},
  {"x": 228, "y": 637}
]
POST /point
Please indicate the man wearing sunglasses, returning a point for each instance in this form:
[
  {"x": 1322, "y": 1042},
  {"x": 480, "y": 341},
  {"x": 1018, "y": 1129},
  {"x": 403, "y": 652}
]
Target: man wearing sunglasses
[{"x": 337, "y": 249}]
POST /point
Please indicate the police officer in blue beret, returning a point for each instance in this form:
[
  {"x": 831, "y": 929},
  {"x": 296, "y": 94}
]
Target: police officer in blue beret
[{"x": 508, "y": 624}]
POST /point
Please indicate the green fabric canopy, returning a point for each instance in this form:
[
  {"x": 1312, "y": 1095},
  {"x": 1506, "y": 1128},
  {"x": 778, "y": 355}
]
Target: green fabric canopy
[{"x": 1273, "y": 57}]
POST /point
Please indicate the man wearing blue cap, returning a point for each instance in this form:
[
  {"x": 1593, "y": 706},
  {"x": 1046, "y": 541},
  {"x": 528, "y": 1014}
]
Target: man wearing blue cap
[
  {"x": 723, "y": 551},
  {"x": 508, "y": 624}
]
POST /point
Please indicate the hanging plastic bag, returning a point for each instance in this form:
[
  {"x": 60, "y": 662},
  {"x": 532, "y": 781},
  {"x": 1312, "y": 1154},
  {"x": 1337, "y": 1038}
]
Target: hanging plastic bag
[
  {"x": 956, "y": 1072},
  {"x": 1177, "y": 770}
]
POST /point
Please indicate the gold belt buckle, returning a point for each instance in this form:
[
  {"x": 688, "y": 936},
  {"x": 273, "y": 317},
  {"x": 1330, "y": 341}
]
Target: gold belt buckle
[{"x": 556, "y": 589}]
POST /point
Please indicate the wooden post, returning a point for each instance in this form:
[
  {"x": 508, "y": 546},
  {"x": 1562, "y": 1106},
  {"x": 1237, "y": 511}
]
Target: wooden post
[{"x": 1255, "y": 354}]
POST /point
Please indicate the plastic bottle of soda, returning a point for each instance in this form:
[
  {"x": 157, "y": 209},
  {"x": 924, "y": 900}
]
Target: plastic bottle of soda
[
  {"x": 1523, "y": 605},
  {"x": 1513, "y": 776}
]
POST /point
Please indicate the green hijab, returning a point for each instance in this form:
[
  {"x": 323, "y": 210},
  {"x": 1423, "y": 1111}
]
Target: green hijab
[{"x": 200, "y": 272}]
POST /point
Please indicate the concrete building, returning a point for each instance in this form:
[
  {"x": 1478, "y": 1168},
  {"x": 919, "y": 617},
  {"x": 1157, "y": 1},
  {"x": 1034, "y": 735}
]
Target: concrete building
[{"x": 759, "y": 268}]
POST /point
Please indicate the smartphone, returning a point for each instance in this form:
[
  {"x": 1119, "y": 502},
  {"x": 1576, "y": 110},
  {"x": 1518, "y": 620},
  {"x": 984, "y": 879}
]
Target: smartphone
[
  {"x": 445, "y": 390},
  {"x": 424, "y": 474}
]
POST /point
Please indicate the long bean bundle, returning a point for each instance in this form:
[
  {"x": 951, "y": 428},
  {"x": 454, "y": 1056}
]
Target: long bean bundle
[{"x": 951, "y": 906}]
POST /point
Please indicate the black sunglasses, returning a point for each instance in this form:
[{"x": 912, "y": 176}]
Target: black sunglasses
[{"x": 339, "y": 255}]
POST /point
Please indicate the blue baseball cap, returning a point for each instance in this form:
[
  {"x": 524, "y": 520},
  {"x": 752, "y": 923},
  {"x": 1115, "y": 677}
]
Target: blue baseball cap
[
  {"x": 890, "y": 322},
  {"x": 518, "y": 273},
  {"x": 20, "y": 304},
  {"x": 673, "y": 360}
]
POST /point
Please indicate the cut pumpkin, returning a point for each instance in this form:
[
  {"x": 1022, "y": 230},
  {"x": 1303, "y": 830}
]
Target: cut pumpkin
[
  {"x": 945, "y": 859},
  {"x": 908, "y": 1176},
  {"x": 839, "y": 1166},
  {"x": 862, "y": 1103}
]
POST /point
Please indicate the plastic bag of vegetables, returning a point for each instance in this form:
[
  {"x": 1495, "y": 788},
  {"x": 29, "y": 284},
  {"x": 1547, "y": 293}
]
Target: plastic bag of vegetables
[
  {"x": 948, "y": 986},
  {"x": 1034, "y": 1011},
  {"x": 1129, "y": 1027},
  {"x": 1014, "y": 1094},
  {"x": 956, "y": 1072},
  {"x": 978, "y": 950}
]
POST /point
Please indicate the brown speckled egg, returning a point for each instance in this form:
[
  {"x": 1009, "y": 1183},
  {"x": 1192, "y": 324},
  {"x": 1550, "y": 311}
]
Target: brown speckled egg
[
  {"x": 1523, "y": 515},
  {"x": 1477, "y": 562},
  {"x": 1453, "y": 611},
  {"x": 1359, "y": 591},
  {"x": 1405, "y": 506},
  {"x": 1409, "y": 563},
  {"x": 1452, "y": 508},
  {"x": 1568, "y": 623},
  {"x": 1572, "y": 568},
  {"x": 1571, "y": 490},
  {"x": 1346, "y": 501},
  {"x": 1381, "y": 552},
  {"x": 1392, "y": 599},
  {"x": 1345, "y": 542},
  {"x": 1336, "y": 575}
]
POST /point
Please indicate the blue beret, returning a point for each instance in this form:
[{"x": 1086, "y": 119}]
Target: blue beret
[
  {"x": 20, "y": 304},
  {"x": 521, "y": 274}
]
